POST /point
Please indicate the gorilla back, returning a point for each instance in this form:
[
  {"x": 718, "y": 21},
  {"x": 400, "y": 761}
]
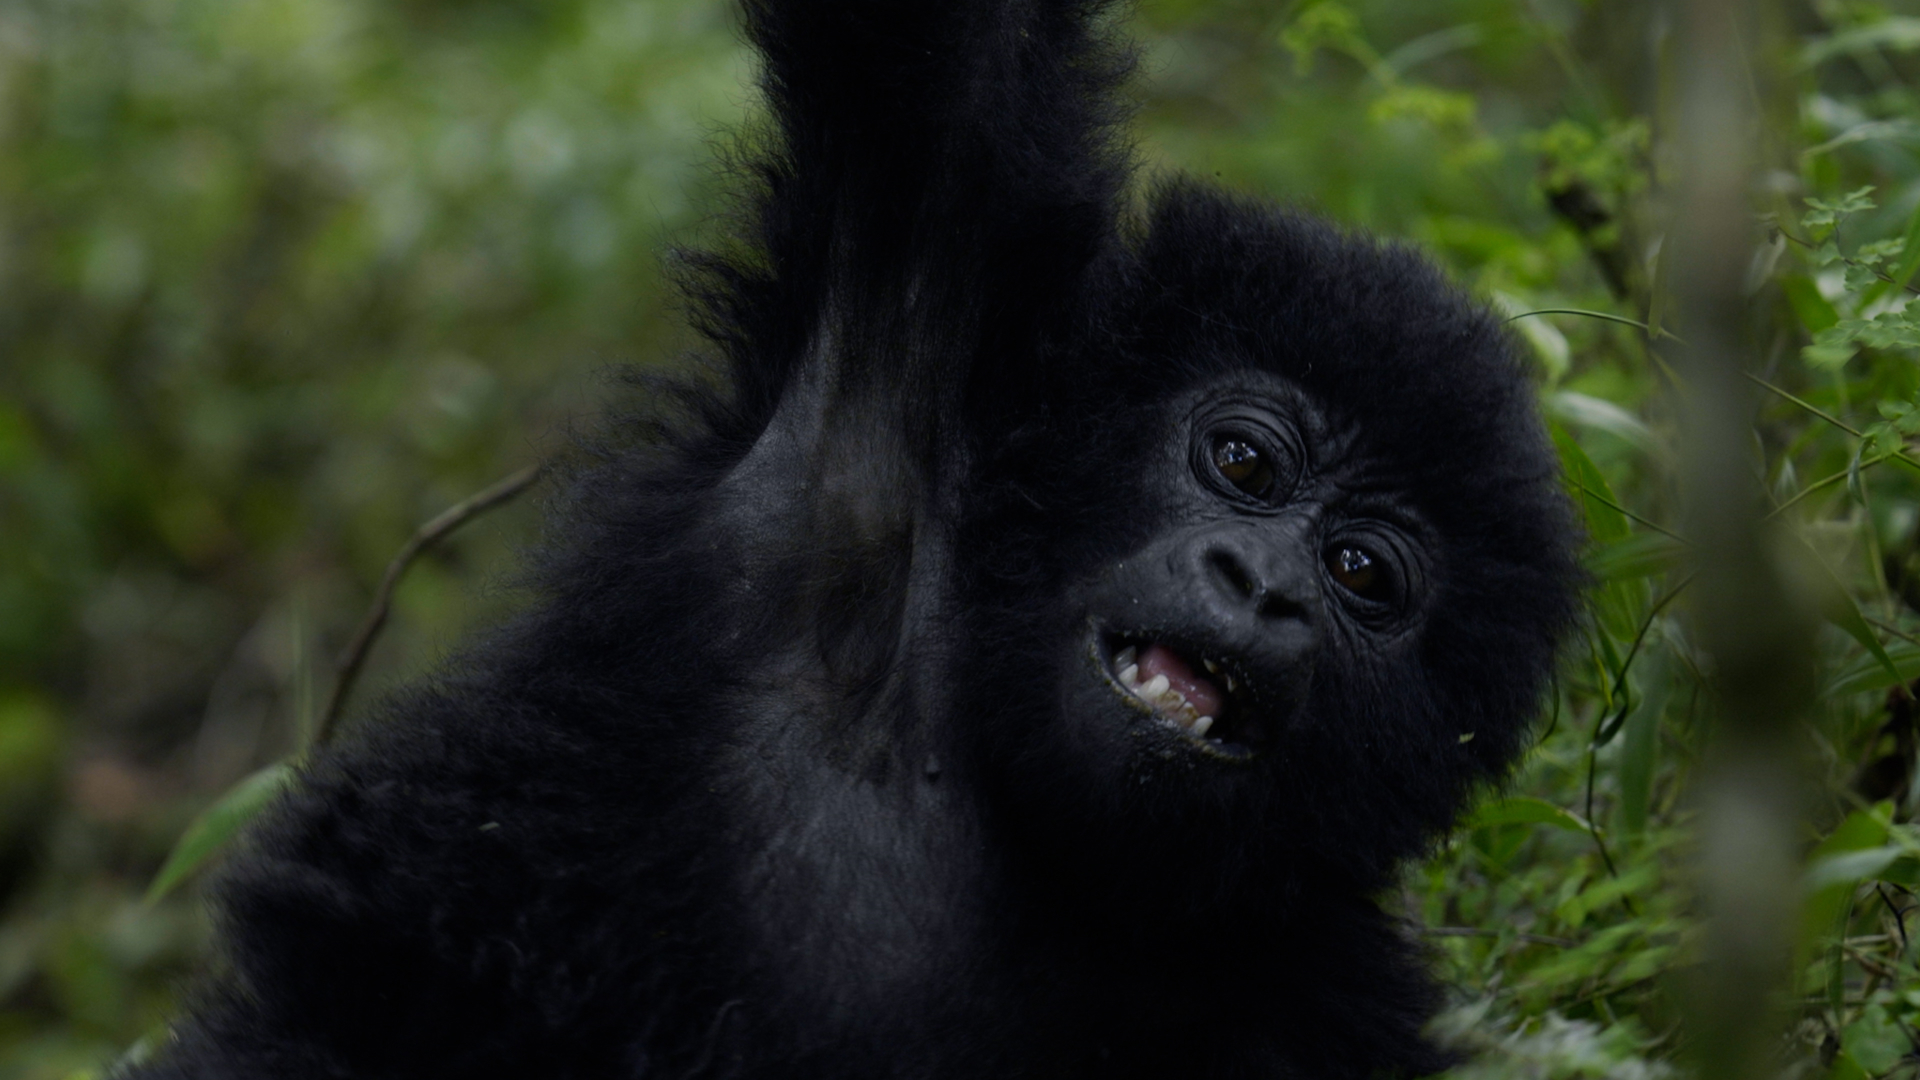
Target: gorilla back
[{"x": 1030, "y": 657}]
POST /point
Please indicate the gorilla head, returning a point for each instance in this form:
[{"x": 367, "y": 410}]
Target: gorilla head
[
  {"x": 1310, "y": 559},
  {"x": 1029, "y": 656}
]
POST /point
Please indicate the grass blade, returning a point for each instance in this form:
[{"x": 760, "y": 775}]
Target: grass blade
[{"x": 217, "y": 825}]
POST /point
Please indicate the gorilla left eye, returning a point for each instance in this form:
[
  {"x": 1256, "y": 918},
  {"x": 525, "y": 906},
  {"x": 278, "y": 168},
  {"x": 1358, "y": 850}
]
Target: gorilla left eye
[
  {"x": 1360, "y": 572},
  {"x": 1243, "y": 466}
]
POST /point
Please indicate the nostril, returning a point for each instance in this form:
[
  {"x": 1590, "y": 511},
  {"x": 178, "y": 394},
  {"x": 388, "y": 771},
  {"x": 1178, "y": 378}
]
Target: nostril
[
  {"x": 1278, "y": 605},
  {"x": 1267, "y": 595},
  {"x": 1233, "y": 575}
]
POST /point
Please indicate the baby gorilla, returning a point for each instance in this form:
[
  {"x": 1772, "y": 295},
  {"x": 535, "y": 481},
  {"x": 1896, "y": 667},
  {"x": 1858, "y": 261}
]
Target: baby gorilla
[{"x": 1028, "y": 655}]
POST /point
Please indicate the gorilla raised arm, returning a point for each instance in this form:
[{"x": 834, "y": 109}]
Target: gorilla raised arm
[{"x": 1032, "y": 661}]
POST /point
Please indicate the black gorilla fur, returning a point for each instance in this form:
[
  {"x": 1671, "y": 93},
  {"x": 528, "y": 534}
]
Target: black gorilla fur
[{"x": 812, "y": 760}]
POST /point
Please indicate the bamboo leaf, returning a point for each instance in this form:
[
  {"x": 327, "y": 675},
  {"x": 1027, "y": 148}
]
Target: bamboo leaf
[
  {"x": 1640, "y": 744},
  {"x": 1526, "y": 810},
  {"x": 1847, "y": 854},
  {"x": 1868, "y": 674},
  {"x": 217, "y": 825},
  {"x": 1605, "y": 522},
  {"x": 1839, "y": 609},
  {"x": 1646, "y": 554},
  {"x": 1581, "y": 410}
]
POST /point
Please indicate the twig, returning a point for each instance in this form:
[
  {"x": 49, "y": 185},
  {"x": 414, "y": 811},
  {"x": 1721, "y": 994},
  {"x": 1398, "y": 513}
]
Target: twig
[
  {"x": 1829, "y": 481},
  {"x": 426, "y": 536},
  {"x": 1604, "y": 734},
  {"x": 1608, "y": 990},
  {"x": 1873, "y": 965},
  {"x": 1612, "y": 504},
  {"x": 1899, "y": 914},
  {"x": 1621, "y": 319},
  {"x": 1603, "y": 731},
  {"x": 1893, "y": 629},
  {"x": 1809, "y": 407},
  {"x": 1898, "y": 454}
]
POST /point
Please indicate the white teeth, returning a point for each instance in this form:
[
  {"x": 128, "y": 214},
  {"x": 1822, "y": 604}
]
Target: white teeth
[
  {"x": 1232, "y": 686},
  {"x": 1159, "y": 694}
]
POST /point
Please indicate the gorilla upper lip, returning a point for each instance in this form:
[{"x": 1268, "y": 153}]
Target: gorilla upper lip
[{"x": 1204, "y": 696}]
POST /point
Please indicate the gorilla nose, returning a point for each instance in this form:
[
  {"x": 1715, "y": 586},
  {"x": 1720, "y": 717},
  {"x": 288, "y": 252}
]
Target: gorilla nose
[{"x": 1252, "y": 577}]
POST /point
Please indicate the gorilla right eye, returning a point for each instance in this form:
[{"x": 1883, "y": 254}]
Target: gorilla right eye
[
  {"x": 1242, "y": 464},
  {"x": 1360, "y": 572}
]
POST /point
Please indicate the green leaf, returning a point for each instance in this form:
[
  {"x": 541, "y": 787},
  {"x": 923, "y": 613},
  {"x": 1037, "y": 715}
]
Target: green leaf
[
  {"x": 1659, "y": 300},
  {"x": 1641, "y": 555},
  {"x": 1325, "y": 24},
  {"x": 1580, "y": 410},
  {"x": 1840, "y": 610},
  {"x": 1905, "y": 872},
  {"x": 1887, "y": 330},
  {"x": 1432, "y": 105},
  {"x": 1868, "y": 674},
  {"x": 1830, "y": 211},
  {"x": 1606, "y": 891},
  {"x": 1836, "y": 865},
  {"x": 1858, "y": 831},
  {"x": 1605, "y": 523},
  {"x": 1852, "y": 867},
  {"x": 1525, "y": 810},
  {"x": 1878, "y": 1041},
  {"x": 1844, "y": 613},
  {"x": 1619, "y": 602},
  {"x": 1898, "y": 33},
  {"x": 1828, "y": 356},
  {"x": 1909, "y": 262},
  {"x": 1877, "y": 439},
  {"x": 1814, "y": 311},
  {"x": 1845, "y": 1068},
  {"x": 1877, "y": 252},
  {"x": 1640, "y": 742},
  {"x": 217, "y": 825}
]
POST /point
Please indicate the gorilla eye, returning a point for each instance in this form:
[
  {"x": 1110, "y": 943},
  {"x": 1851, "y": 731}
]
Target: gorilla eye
[
  {"x": 1244, "y": 466},
  {"x": 1360, "y": 572}
]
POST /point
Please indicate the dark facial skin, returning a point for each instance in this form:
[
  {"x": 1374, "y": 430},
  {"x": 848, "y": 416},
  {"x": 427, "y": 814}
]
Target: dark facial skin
[{"x": 1272, "y": 545}]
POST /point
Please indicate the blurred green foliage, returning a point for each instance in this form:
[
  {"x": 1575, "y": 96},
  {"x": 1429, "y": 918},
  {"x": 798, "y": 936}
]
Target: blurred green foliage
[{"x": 281, "y": 279}]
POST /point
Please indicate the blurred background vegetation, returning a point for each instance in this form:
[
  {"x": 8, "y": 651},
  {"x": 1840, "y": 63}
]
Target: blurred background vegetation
[{"x": 282, "y": 279}]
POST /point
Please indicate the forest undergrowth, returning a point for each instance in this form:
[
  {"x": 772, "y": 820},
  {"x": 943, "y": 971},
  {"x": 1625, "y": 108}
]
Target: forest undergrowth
[{"x": 279, "y": 284}]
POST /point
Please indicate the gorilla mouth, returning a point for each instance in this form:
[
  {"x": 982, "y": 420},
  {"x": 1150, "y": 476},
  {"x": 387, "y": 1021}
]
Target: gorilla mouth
[{"x": 1195, "y": 694}]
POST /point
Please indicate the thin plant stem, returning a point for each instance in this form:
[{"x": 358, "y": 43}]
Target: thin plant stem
[{"x": 355, "y": 656}]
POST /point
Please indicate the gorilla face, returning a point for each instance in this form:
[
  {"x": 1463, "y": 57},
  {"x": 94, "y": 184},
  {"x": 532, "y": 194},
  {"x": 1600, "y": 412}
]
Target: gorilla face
[{"x": 1274, "y": 561}]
